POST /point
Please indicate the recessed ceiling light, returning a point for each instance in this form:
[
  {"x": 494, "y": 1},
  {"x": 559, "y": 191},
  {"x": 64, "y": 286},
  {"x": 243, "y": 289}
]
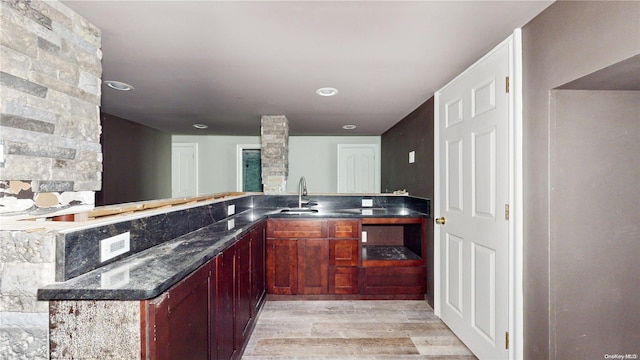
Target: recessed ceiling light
[
  {"x": 118, "y": 85},
  {"x": 327, "y": 91},
  {"x": 348, "y": 127},
  {"x": 200, "y": 126}
]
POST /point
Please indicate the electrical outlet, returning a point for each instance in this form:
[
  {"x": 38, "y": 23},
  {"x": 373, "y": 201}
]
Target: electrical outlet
[
  {"x": 367, "y": 202},
  {"x": 412, "y": 157},
  {"x": 231, "y": 209},
  {"x": 114, "y": 246},
  {"x": 364, "y": 236}
]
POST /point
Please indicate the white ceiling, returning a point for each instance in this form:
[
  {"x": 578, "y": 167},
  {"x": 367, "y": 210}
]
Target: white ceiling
[{"x": 226, "y": 63}]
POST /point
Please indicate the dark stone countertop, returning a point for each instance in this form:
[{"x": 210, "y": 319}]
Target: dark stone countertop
[{"x": 149, "y": 273}]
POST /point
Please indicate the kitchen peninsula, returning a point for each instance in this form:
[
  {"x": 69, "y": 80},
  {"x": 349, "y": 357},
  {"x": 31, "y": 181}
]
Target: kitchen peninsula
[{"x": 196, "y": 276}]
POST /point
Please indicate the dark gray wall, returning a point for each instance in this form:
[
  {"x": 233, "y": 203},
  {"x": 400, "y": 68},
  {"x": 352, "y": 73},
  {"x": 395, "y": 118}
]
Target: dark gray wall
[
  {"x": 565, "y": 42},
  {"x": 413, "y": 133},
  {"x": 136, "y": 162}
]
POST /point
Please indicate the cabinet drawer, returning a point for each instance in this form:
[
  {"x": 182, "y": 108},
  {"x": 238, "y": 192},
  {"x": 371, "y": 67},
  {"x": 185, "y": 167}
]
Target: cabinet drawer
[
  {"x": 343, "y": 280},
  {"x": 394, "y": 280},
  {"x": 344, "y": 229},
  {"x": 303, "y": 228},
  {"x": 343, "y": 252}
]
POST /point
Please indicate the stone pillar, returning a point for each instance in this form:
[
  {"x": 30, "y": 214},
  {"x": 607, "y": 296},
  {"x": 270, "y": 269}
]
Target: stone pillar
[{"x": 274, "y": 132}]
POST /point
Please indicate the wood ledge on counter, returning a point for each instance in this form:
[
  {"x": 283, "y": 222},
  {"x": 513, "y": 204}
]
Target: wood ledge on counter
[{"x": 56, "y": 220}]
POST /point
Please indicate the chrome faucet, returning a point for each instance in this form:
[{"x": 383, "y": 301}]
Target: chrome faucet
[{"x": 302, "y": 190}]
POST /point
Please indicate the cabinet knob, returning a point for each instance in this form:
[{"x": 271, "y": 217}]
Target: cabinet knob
[{"x": 441, "y": 220}]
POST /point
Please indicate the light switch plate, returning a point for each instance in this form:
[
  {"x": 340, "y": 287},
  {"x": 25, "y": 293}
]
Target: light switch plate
[
  {"x": 412, "y": 157},
  {"x": 231, "y": 209},
  {"x": 364, "y": 236},
  {"x": 367, "y": 202},
  {"x": 114, "y": 246}
]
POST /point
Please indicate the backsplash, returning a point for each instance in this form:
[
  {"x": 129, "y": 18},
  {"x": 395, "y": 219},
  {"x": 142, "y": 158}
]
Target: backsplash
[{"x": 78, "y": 252}]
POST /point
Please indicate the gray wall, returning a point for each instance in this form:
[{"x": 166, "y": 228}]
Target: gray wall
[
  {"x": 413, "y": 133},
  {"x": 569, "y": 292},
  {"x": 137, "y": 162}
]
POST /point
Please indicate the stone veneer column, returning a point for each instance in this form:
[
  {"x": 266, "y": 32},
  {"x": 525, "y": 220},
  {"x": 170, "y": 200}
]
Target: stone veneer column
[
  {"x": 50, "y": 79},
  {"x": 274, "y": 132}
]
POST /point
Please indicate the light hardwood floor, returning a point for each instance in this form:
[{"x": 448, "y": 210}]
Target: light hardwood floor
[{"x": 363, "y": 329}]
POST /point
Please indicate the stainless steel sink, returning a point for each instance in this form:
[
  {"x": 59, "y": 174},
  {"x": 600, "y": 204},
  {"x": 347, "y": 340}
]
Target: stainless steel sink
[{"x": 298, "y": 211}]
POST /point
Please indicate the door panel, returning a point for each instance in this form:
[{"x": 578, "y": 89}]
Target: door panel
[
  {"x": 184, "y": 170},
  {"x": 358, "y": 168},
  {"x": 473, "y": 139}
]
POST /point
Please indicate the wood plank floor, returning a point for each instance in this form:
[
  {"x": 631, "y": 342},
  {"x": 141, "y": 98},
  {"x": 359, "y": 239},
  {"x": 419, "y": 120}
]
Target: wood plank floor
[{"x": 363, "y": 329}]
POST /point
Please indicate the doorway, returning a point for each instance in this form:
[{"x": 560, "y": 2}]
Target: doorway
[{"x": 249, "y": 168}]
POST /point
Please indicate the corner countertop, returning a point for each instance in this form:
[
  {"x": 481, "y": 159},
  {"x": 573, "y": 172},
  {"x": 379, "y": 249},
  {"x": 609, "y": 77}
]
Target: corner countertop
[{"x": 149, "y": 273}]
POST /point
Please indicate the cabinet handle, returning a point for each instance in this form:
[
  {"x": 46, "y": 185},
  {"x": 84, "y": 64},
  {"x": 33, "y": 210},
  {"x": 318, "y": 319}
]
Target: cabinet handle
[{"x": 441, "y": 220}]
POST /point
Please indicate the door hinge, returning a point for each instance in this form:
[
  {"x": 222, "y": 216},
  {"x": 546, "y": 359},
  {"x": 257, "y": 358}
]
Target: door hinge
[
  {"x": 506, "y": 211},
  {"x": 506, "y": 84},
  {"x": 506, "y": 340}
]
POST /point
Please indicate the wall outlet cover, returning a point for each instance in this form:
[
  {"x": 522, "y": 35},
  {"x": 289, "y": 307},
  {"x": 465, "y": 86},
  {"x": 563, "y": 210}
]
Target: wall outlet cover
[
  {"x": 364, "y": 236},
  {"x": 114, "y": 246},
  {"x": 367, "y": 202},
  {"x": 412, "y": 157},
  {"x": 231, "y": 209}
]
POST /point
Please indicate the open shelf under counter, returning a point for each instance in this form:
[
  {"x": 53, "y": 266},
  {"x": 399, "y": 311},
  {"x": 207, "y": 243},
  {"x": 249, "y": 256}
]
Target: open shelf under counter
[
  {"x": 393, "y": 242},
  {"x": 383, "y": 255}
]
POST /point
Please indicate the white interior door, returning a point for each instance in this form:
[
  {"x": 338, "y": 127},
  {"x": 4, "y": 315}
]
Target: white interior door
[
  {"x": 473, "y": 118},
  {"x": 358, "y": 168},
  {"x": 184, "y": 169}
]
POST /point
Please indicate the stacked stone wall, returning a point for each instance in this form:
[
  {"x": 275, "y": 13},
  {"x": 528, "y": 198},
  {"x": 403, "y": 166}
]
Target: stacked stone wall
[
  {"x": 50, "y": 153},
  {"x": 50, "y": 81}
]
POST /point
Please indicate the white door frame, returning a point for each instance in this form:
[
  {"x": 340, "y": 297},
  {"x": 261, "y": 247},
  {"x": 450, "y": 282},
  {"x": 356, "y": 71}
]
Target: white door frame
[
  {"x": 195, "y": 161},
  {"x": 516, "y": 258},
  {"x": 375, "y": 147},
  {"x": 239, "y": 148}
]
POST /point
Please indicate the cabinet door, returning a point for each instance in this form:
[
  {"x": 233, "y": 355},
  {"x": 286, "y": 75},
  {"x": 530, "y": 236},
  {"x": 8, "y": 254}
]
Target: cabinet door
[
  {"x": 226, "y": 299},
  {"x": 179, "y": 320},
  {"x": 258, "y": 286},
  {"x": 313, "y": 265},
  {"x": 282, "y": 266},
  {"x": 243, "y": 290}
]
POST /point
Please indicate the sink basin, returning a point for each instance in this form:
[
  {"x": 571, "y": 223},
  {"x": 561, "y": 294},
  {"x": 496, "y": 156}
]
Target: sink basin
[{"x": 298, "y": 211}]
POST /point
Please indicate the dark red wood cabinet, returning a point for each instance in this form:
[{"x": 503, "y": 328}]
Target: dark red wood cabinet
[
  {"x": 312, "y": 256},
  {"x": 326, "y": 258},
  {"x": 210, "y": 314},
  {"x": 178, "y": 325}
]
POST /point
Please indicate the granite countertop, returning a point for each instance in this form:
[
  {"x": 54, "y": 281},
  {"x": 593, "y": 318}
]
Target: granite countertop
[{"x": 149, "y": 273}]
